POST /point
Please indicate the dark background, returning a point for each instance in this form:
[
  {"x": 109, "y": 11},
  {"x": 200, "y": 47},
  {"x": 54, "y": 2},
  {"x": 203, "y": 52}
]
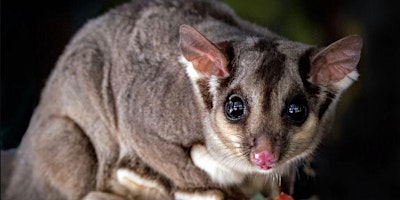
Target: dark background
[{"x": 359, "y": 159}]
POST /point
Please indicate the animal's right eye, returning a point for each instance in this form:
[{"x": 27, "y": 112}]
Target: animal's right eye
[{"x": 235, "y": 108}]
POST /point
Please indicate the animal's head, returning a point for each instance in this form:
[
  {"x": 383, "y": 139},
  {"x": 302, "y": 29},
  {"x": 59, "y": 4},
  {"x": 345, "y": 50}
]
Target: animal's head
[{"x": 266, "y": 101}]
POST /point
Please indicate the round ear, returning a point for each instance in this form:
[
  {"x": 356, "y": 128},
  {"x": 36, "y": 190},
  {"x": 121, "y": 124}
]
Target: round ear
[
  {"x": 205, "y": 57},
  {"x": 336, "y": 62}
]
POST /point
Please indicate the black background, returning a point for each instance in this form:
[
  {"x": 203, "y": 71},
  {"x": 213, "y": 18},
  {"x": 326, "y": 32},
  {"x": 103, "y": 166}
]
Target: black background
[{"x": 362, "y": 160}]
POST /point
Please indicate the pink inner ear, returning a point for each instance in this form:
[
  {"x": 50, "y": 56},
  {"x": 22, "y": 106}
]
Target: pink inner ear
[
  {"x": 334, "y": 62},
  {"x": 206, "y": 58}
]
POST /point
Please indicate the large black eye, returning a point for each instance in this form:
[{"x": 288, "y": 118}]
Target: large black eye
[
  {"x": 297, "y": 111},
  {"x": 235, "y": 108}
]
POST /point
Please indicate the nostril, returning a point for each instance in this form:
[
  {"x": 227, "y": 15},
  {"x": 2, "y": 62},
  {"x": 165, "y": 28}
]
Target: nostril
[
  {"x": 276, "y": 139},
  {"x": 253, "y": 143}
]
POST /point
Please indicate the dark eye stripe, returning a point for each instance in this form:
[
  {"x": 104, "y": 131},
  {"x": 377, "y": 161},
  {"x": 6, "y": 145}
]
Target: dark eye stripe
[
  {"x": 325, "y": 105},
  {"x": 205, "y": 93}
]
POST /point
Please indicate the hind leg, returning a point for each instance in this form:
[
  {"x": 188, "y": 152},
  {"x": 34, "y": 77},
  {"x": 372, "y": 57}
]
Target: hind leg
[{"x": 63, "y": 158}]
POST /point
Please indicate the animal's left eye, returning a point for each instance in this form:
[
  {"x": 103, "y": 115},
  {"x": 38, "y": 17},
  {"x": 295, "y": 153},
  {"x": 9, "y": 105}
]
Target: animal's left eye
[{"x": 297, "y": 112}]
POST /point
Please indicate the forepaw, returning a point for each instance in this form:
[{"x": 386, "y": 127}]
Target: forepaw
[
  {"x": 218, "y": 172},
  {"x": 199, "y": 195},
  {"x": 141, "y": 187},
  {"x": 101, "y": 196}
]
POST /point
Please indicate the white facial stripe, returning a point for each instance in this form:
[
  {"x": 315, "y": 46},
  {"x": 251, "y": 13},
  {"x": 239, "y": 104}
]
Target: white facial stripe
[
  {"x": 192, "y": 73},
  {"x": 347, "y": 80},
  {"x": 213, "y": 85},
  {"x": 195, "y": 76},
  {"x": 130, "y": 179},
  {"x": 206, "y": 195}
]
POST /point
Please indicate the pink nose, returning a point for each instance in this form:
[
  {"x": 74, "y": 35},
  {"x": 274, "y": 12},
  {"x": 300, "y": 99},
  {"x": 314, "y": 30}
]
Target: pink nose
[{"x": 263, "y": 160}]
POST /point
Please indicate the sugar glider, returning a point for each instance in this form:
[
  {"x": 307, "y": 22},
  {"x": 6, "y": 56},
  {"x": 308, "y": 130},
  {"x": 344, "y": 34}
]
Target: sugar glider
[{"x": 178, "y": 99}]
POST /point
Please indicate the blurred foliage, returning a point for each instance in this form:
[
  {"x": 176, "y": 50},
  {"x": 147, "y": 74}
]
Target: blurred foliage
[
  {"x": 306, "y": 21},
  {"x": 287, "y": 18}
]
